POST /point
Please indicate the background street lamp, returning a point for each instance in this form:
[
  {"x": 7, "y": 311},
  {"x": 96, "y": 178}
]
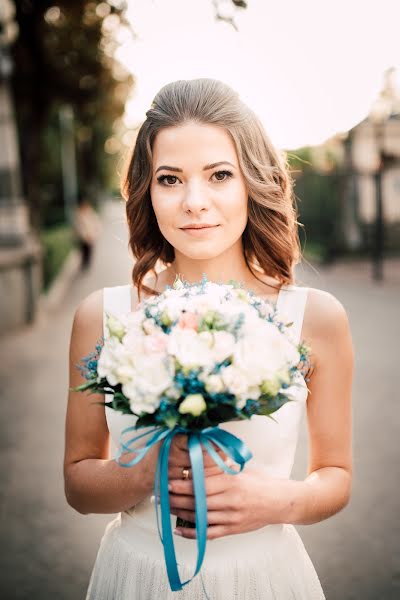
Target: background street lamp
[
  {"x": 13, "y": 212},
  {"x": 378, "y": 119}
]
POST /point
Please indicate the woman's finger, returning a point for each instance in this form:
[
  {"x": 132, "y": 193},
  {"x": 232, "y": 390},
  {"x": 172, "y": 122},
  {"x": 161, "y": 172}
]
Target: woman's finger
[
  {"x": 177, "y": 472},
  {"x": 182, "y": 502},
  {"x": 214, "y": 517},
  {"x": 214, "y": 485},
  {"x": 213, "y": 532}
]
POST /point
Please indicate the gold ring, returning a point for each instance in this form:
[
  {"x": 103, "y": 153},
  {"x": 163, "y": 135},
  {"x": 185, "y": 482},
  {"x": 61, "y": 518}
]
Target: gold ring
[{"x": 185, "y": 473}]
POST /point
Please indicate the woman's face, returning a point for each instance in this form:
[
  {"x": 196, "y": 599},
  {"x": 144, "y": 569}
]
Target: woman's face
[{"x": 197, "y": 180}]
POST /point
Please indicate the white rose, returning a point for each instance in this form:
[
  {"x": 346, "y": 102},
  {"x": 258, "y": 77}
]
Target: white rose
[
  {"x": 263, "y": 351},
  {"x": 234, "y": 380},
  {"x": 207, "y": 338},
  {"x": 189, "y": 348},
  {"x": 152, "y": 378},
  {"x": 154, "y": 374},
  {"x": 155, "y": 343},
  {"x": 139, "y": 402},
  {"x": 213, "y": 384},
  {"x": 105, "y": 363},
  {"x": 113, "y": 355},
  {"x": 224, "y": 344},
  {"x": 172, "y": 307},
  {"x": 134, "y": 319},
  {"x": 124, "y": 373},
  {"x": 202, "y": 304},
  {"x": 193, "y": 404},
  {"x": 134, "y": 341}
]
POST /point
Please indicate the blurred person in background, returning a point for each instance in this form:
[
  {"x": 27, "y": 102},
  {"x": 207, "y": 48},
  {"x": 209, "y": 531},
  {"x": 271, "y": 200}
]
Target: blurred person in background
[{"x": 87, "y": 228}]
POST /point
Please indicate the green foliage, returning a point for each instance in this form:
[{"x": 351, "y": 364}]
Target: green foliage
[
  {"x": 63, "y": 55},
  {"x": 320, "y": 211},
  {"x": 300, "y": 160},
  {"x": 57, "y": 242}
]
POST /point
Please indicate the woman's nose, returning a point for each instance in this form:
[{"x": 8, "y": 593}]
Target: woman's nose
[{"x": 195, "y": 197}]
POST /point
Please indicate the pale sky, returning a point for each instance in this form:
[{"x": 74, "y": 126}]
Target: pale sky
[{"x": 308, "y": 68}]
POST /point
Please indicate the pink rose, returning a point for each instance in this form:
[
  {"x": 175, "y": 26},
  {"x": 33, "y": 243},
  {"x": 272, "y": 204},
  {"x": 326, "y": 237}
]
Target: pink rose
[
  {"x": 155, "y": 343},
  {"x": 188, "y": 320}
]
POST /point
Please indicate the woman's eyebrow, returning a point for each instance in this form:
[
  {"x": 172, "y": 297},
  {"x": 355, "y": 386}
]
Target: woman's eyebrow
[{"x": 206, "y": 168}]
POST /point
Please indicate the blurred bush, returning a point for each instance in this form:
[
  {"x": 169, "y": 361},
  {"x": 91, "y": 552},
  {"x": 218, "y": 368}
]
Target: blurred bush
[
  {"x": 319, "y": 187},
  {"x": 57, "y": 243},
  {"x": 320, "y": 211}
]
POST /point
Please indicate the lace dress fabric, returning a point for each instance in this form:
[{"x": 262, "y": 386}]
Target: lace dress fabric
[{"x": 270, "y": 563}]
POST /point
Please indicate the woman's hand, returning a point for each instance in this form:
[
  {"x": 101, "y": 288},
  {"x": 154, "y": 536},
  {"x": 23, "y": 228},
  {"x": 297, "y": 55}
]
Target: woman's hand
[
  {"x": 179, "y": 459},
  {"x": 235, "y": 503}
]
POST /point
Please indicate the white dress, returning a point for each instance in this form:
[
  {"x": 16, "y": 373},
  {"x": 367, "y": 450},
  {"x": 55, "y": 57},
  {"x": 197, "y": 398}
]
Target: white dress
[{"x": 269, "y": 563}]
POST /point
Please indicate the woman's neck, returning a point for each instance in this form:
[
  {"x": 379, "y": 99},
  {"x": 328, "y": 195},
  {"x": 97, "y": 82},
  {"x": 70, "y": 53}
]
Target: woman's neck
[{"x": 220, "y": 269}]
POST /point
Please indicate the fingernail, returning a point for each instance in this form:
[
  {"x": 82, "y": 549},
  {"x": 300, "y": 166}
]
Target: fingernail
[
  {"x": 178, "y": 532},
  {"x": 169, "y": 487}
]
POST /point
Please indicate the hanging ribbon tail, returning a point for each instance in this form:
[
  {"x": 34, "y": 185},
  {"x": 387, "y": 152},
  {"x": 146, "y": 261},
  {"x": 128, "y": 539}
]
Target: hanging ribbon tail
[
  {"x": 235, "y": 449},
  {"x": 167, "y": 539},
  {"x": 227, "y": 442},
  {"x": 200, "y": 498},
  {"x": 161, "y": 487}
]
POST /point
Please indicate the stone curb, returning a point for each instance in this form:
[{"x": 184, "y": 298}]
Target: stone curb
[{"x": 51, "y": 300}]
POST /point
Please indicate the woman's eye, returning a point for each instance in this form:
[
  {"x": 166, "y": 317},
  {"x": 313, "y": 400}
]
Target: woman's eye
[
  {"x": 166, "y": 180},
  {"x": 222, "y": 175}
]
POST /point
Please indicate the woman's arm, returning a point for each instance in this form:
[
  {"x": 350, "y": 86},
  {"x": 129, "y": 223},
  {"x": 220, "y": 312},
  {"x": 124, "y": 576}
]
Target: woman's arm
[
  {"x": 253, "y": 499},
  {"x": 94, "y": 483},
  {"x": 327, "y": 488}
]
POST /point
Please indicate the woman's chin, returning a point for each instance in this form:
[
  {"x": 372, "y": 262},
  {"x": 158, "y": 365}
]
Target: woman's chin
[{"x": 200, "y": 253}]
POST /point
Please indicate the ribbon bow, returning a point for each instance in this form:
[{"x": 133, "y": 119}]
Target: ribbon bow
[{"x": 229, "y": 444}]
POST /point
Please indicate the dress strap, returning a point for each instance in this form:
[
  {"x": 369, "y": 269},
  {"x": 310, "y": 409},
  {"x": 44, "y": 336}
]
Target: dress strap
[
  {"x": 116, "y": 300},
  {"x": 291, "y": 305}
]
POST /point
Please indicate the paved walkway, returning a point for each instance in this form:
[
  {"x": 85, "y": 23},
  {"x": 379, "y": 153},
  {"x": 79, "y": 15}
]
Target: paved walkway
[{"x": 49, "y": 549}]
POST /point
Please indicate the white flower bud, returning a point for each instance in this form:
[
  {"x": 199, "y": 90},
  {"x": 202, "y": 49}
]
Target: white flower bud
[{"x": 193, "y": 404}]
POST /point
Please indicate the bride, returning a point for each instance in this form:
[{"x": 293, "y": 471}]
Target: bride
[{"x": 207, "y": 192}]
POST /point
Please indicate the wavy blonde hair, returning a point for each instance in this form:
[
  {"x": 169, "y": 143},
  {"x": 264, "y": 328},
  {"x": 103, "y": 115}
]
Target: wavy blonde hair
[{"x": 270, "y": 239}]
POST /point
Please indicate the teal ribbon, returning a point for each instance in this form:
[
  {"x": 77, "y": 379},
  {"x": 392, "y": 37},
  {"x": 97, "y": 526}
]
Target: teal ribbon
[{"x": 227, "y": 442}]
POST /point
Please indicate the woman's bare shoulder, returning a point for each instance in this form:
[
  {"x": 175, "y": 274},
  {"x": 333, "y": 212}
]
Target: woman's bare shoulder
[
  {"x": 325, "y": 316},
  {"x": 89, "y": 313}
]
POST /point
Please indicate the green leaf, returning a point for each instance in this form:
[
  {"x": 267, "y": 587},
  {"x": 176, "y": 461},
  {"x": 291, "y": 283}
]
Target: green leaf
[
  {"x": 269, "y": 405},
  {"x": 83, "y": 386}
]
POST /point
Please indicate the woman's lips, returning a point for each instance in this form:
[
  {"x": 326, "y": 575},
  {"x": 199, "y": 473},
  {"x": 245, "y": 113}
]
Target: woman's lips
[{"x": 199, "y": 232}]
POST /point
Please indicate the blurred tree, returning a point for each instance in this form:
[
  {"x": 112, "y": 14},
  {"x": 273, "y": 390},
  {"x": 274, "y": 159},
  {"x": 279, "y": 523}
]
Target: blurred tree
[{"x": 64, "y": 55}]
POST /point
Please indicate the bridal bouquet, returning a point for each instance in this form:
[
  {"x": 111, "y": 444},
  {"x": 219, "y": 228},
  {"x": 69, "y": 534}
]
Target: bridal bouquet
[{"x": 185, "y": 361}]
